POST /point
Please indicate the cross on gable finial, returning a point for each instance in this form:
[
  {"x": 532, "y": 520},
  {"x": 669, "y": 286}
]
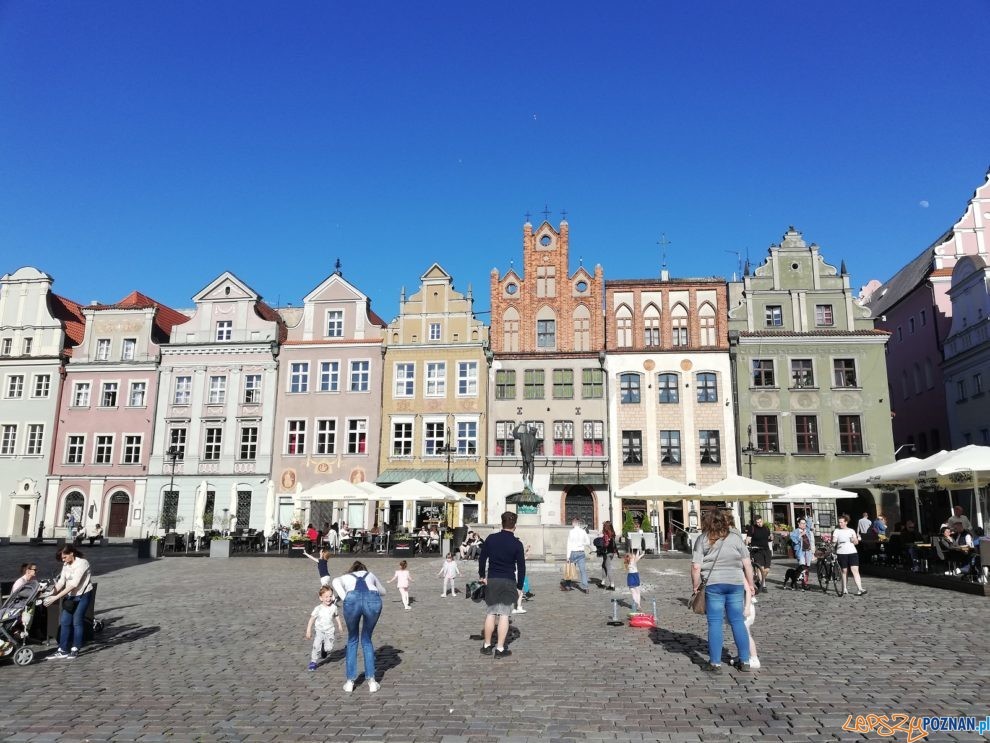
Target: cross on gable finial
[
  {"x": 664, "y": 243},
  {"x": 546, "y": 212},
  {"x": 563, "y": 214},
  {"x": 527, "y": 215},
  {"x": 337, "y": 267}
]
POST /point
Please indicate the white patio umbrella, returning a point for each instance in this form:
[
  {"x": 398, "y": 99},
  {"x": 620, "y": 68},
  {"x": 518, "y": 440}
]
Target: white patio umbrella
[
  {"x": 199, "y": 506},
  {"x": 412, "y": 491},
  {"x": 270, "y": 508},
  {"x": 449, "y": 494},
  {"x": 866, "y": 478},
  {"x": 333, "y": 491},
  {"x": 232, "y": 508},
  {"x": 905, "y": 471},
  {"x": 658, "y": 488},
  {"x": 802, "y": 492},
  {"x": 738, "y": 488},
  {"x": 962, "y": 469}
]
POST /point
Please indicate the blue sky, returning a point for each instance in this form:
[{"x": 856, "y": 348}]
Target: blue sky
[{"x": 152, "y": 146}]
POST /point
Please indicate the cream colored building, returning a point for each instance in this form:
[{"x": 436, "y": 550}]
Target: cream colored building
[{"x": 433, "y": 398}]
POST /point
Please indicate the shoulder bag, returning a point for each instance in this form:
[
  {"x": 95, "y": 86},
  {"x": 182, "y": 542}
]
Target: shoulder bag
[{"x": 697, "y": 602}]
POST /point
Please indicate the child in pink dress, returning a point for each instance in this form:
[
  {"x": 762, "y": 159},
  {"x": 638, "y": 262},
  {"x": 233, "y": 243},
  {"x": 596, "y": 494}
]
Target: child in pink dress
[{"x": 402, "y": 579}]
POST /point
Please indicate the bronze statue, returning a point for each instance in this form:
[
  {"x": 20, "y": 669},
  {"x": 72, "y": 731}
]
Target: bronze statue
[{"x": 526, "y": 436}]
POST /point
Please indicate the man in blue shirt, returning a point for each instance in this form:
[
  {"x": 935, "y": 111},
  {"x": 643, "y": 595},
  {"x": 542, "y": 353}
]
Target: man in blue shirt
[{"x": 503, "y": 555}]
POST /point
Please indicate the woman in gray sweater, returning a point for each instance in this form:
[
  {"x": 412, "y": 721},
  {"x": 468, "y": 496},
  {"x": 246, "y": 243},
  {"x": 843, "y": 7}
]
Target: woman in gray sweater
[{"x": 721, "y": 555}]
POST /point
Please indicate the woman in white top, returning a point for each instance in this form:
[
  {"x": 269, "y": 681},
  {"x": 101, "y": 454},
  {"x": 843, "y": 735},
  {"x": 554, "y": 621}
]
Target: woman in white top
[
  {"x": 361, "y": 593},
  {"x": 845, "y": 541},
  {"x": 75, "y": 590}
]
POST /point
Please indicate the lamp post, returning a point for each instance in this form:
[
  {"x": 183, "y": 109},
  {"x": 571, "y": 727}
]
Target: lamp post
[
  {"x": 749, "y": 450},
  {"x": 448, "y": 450},
  {"x": 173, "y": 453}
]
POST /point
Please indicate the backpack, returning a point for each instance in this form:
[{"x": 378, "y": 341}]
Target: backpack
[{"x": 599, "y": 544}]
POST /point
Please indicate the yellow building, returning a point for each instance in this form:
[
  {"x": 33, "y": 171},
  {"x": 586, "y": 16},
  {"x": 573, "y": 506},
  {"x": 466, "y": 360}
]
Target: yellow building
[{"x": 434, "y": 393}]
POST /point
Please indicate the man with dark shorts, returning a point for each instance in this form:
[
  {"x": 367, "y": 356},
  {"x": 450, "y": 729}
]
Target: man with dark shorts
[
  {"x": 758, "y": 538},
  {"x": 505, "y": 559}
]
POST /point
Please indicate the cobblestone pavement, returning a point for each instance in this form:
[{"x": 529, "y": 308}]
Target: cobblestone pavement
[{"x": 207, "y": 649}]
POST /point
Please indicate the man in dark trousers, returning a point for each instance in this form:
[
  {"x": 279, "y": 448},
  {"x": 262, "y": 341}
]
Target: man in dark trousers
[{"x": 505, "y": 559}]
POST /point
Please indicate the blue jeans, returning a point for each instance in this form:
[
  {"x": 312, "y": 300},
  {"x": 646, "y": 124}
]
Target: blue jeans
[
  {"x": 70, "y": 633},
  {"x": 722, "y": 599},
  {"x": 578, "y": 558},
  {"x": 358, "y": 604}
]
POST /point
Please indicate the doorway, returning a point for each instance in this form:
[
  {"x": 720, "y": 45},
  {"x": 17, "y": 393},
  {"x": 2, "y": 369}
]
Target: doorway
[
  {"x": 580, "y": 504},
  {"x": 23, "y": 518},
  {"x": 120, "y": 505}
]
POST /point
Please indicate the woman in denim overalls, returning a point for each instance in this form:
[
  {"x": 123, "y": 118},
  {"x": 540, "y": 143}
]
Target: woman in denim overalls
[{"x": 361, "y": 593}]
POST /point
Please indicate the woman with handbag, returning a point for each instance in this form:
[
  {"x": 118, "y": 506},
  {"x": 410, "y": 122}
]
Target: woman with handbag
[
  {"x": 721, "y": 574},
  {"x": 75, "y": 589},
  {"x": 610, "y": 551}
]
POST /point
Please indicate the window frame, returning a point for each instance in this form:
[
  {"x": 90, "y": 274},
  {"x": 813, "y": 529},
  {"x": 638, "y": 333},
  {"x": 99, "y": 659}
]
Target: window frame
[
  {"x": 298, "y": 381},
  {"x": 664, "y": 389},
  {"x": 295, "y": 437},
  {"x": 562, "y": 384},
  {"x": 467, "y": 379},
  {"x": 435, "y": 379},
  {"x": 534, "y": 384},
  {"x": 671, "y": 453},
  {"x": 630, "y": 388},
  {"x": 224, "y": 331},
  {"x": 504, "y": 388},
  {"x": 217, "y": 390},
  {"x": 359, "y": 376},
  {"x": 773, "y": 316},
  {"x": 632, "y": 447},
  {"x": 706, "y": 385},
  {"x": 760, "y": 374},
  {"x": 334, "y": 321},
  {"x": 325, "y": 437},
  {"x": 807, "y": 439}
]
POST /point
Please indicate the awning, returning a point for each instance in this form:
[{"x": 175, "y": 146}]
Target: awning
[
  {"x": 461, "y": 475},
  {"x": 574, "y": 478}
]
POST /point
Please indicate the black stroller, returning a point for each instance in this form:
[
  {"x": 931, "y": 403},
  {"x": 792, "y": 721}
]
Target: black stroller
[{"x": 16, "y": 615}]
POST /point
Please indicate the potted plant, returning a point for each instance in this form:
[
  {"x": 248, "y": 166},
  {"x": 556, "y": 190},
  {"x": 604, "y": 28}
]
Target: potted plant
[
  {"x": 220, "y": 546},
  {"x": 297, "y": 540}
]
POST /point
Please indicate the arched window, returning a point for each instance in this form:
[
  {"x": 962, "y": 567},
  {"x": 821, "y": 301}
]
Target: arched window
[
  {"x": 707, "y": 387},
  {"x": 651, "y": 326},
  {"x": 706, "y": 324},
  {"x": 623, "y": 327},
  {"x": 579, "y": 503},
  {"x": 510, "y": 330},
  {"x": 546, "y": 330},
  {"x": 582, "y": 329},
  {"x": 74, "y": 503},
  {"x": 629, "y": 388},
  {"x": 679, "y": 325}
]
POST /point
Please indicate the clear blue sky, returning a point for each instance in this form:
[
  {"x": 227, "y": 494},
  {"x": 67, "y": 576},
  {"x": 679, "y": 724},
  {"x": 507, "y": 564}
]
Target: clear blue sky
[{"x": 153, "y": 145}]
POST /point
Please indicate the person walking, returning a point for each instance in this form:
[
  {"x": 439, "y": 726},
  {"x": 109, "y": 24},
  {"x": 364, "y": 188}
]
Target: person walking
[
  {"x": 610, "y": 552},
  {"x": 722, "y": 555},
  {"x": 803, "y": 542},
  {"x": 758, "y": 538},
  {"x": 75, "y": 589},
  {"x": 322, "y": 619},
  {"x": 502, "y": 570},
  {"x": 577, "y": 544},
  {"x": 361, "y": 593},
  {"x": 402, "y": 579},
  {"x": 845, "y": 541}
]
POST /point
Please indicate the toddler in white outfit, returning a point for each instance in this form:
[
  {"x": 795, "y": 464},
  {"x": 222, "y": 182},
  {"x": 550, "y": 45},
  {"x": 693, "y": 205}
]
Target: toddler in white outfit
[
  {"x": 449, "y": 571},
  {"x": 322, "y": 621}
]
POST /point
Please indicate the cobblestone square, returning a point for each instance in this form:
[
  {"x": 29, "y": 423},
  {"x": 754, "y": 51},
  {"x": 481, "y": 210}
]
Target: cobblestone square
[{"x": 207, "y": 649}]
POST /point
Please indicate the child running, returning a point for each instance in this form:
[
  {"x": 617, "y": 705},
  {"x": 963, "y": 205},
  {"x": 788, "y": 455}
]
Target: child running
[
  {"x": 322, "y": 620},
  {"x": 749, "y": 612},
  {"x": 402, "y": 579},
  {"x": 632, "y": 577},
  {"x": 449, "y": 571},
  {"x": 321, "y": 566}
]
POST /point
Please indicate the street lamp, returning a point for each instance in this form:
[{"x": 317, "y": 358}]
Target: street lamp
[
  {"x": 173, "y": 453},
  {"x": 749, "y": 450},
  {"x": 448, "y": 450}
]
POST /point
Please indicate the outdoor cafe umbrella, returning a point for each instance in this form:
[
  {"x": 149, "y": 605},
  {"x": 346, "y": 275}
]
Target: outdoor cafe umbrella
[
  {"x": 657, "y": 488},
  {"x": 270, "y": 508},
  {"x": 199, "y": 506},
  {"x": 413, "y": 490},
  {"x": 739, "y": 488},
  {"x": 866, "y": 478},
  {"x": 961, "y": 469},
  {"x": 333, "y": 491},
  {"x": 802, "y": 492}
]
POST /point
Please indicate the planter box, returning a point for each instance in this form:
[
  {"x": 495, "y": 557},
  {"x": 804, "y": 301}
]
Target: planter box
[
  {"x": 220, "y": 548},
  {"x": 296, "y": 549},
  {"x": 403, "y": 548}
]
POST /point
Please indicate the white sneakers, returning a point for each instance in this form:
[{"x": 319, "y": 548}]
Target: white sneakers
[
  {"x": 349, "y": 686},
  {"x": 519, "y": 611},
  {"x": 373, "y": 686}
]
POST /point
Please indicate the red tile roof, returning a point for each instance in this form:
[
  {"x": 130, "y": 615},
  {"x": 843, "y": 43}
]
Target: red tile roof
[
  {"x": 165, "y": 317},
  {"x": 71, "y": 316},
  {"x": 267, "y": 313}
]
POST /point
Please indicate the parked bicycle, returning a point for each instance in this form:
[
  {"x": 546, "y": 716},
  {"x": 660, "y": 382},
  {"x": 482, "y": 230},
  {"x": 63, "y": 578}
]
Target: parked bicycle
[{"x": 828, "y": 570}]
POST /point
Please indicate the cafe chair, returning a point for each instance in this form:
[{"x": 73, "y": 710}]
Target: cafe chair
[{"x": 168, "y": 545}]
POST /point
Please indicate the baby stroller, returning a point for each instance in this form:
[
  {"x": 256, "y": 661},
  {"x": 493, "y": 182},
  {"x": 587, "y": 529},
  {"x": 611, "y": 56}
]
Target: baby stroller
[{"x": 16, "y": 616}]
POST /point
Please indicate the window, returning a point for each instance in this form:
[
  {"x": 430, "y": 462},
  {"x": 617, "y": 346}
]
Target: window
[
  {"x": 844, "y": 372},
  {"x": 137, "y": 395},
  {"x": 170, "y": 509},
  {"x": 225, "y": 330},
  {"x": 706, "y": 325},
  {"x": 74, "y": 449},
  {"x": 329, "y": 376},
  {"x": 632, "y": 447},
  {"x": 924, "y": 318},
  {"x": 80, "y": 395},
  {"x": 402, "y": 439},
  {"x": 850, "y": 434},
  {"x": 35, "y": 439},
  {"x": 467, "y": 378},
  {"x": 467, "y": 438},
  {"x": 510, "y": 330},
  {"x": 707, "y": 387},
  {"x": 103, "y": 349},
  {"x": 213, "y": 442},
  {"x": 651, "y": 327},
  {"x": 623, "y": 328},
  {"x": 103, "y": 453},
  {"x": 802, "y": 373},
  {"x": 806, "y": 427},
  {"x": 249, "y": 444},
  {"x": 15, "y": 385},
  {"x": 108, "y": 397},
  {"x": 360, "y": 376},
  {"x": 326, "y": 436},
  {"x": 8, "y": 439},
  {"x": 183, "y": 391},
  {"x": 177, "y": 441},
  {"x": 670, "y": 448},
  {"x": 252, "y": 389},
  {"x": 763, "y": 373},
  {"x": 546, "y": 281},
  {"x": 436, "y": 378},
  {"x": 295, "y": 437},
  {"x": 911, "y": 325},
  {"x": 5, "y": 346},
  {"x": 434, "y": 437},
  {"x": 505, "y": 384},
  {"x": 629, "y": 388},
  {"x": 42, "y": 385},
  {"x": 28, "y": 343},
  {"x": 679, "y": 325},
  {"x": 582, "y": 329},
  {"x": 335, "y": 323},
  {"x": 593, "y": 439},
  {"x": 505, "y": 445},
  {"x": 538, "y": 427},
  {"x": 243, "y": 508},
  {"x": 405, "y": 380},
  {"x": 218, "y": 390},
  {"x": 774, "y": 316},
  {"x": 767, "y": 433},
  {"x": 667, "y": 386},
  {"x": 563, "y": 384},
  {"x": 710, "y": 447},
  {"x": 434, "y": 331},
  {"x": 563, "y": 438},
  {"x": 132, "y": 450},
  {"x": 977, "y": 384},
  {"x": 299, "y": 376},
  {"x": 533, "y": 384},
  {"x": 960, "y": 390},
  {"x": 823, "y": 316},
  {"x": 357, "y": 436},
  {"x": 127, "y": 349},
  {"x": 592, "y": 384},
  {"x": 546, "y": 334}
]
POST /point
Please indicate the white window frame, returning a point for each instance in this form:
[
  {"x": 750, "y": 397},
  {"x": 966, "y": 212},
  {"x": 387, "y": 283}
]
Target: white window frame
[
  {"x": 463, "y": 439},
  {"x": 179, "y": 442},
  {"x": 330, "y": 374},
  {"x": 34, "y": 446},
  {"x": 410, "y": 441},
  {"x": 335, "y": 322},
  {"x": 81, "y": 393},
  {"x": 41, "y": 379},
  {"x": 246, "y": 440},
  {"x": 252, "y": 391},
  {"x": 435, "y": 383},
  {"x": 135, "y": 443},
  {"x": 217, "y": 394},
  {"x": 467, "y": 378},
  {"x": 224, "y": 331},
  {"x": 13, "y": 388},
  {"x": 367, "y": 440},
  {"x": 128, "y": 349},
  {"x": 8, "y": 439},
  {"x": 97, "y": 445},
  {"x": 298, "y": 377},
  {"x": 131, "y": 389},
  {"x": 361, "y": 376},
  {"x": 324, "y": 435},
  {"x": 27, "y": 345},
  {"x": 295, "y": 427},
  {"x": 115, "y": 383},
  {"x": 208, "y": 445},
  {"x": 103, "y": 348},
  {"x": 434, "y": 442},
  {"x": 184, "y": 390},
  {"x": 6, "y": 346},
  {"x": 80, "y": 454},
  {"x": 404, "y": 376},
  {"x": 435, "y": 331}
]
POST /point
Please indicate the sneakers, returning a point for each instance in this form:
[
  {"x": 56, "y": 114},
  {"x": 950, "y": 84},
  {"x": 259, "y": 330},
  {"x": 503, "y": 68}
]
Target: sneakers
[
  {"x": 58, "y": 655},
  {"x": 754, "y": 662},
  {"x": 373, "y": 686},
  {"x": 502, "y": 653},
  {"x": 713, "y": 667},
  {"x": 582, "y": 590},
  {"x": 744, "y": 667},
  {"x": 312, "y": 666},
  {"x": 487, "y": 649},
  {"x": 443, "y": 595},
  {"x": 860, "y": 593},
  {"x": 519, "y": 611},
  {"x": 349, "y": 686},
  {"x": 610, "y": 588},
  {"x": 408, "y": 608}
]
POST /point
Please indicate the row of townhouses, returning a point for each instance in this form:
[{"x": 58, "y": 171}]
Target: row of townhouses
[{"x": 144, "y": 418}]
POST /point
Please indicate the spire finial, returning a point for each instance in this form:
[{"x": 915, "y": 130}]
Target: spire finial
[
  {"x": 337, "y": 270},
  {"x": 546, "y": 213}
]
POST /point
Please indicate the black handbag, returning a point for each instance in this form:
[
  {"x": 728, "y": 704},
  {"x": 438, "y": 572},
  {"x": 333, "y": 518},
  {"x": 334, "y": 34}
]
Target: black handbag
[{"x": 70, "y": 604}]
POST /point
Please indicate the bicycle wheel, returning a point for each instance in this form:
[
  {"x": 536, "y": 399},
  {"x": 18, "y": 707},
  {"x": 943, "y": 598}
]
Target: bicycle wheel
[
  {"x": 821, "y": 569},
  {"x": 837, "y": 572}
]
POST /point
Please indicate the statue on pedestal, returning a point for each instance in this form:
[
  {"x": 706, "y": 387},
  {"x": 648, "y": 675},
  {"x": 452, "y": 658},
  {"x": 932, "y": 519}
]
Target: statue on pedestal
[{"x": 526, "y": 436}]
